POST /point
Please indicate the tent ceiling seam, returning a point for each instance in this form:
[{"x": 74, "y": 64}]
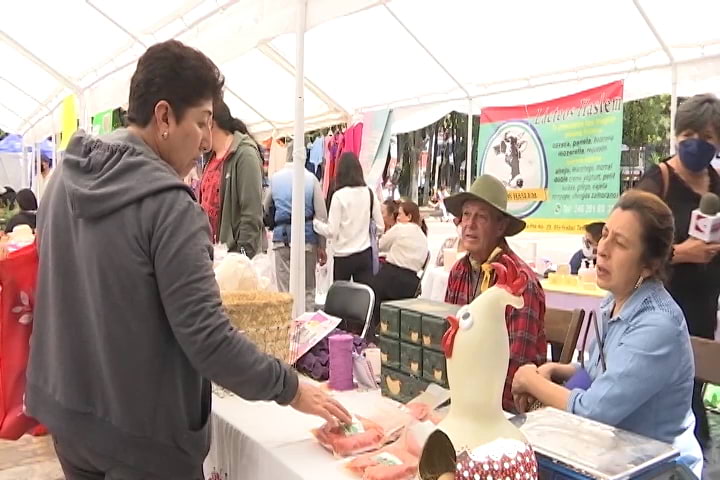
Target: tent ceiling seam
[
  {"x": 10, "y": 110},
  {"x": 272, "y": 124},
  {"x": 281, "y": 61},
  {"x": 192, "y": 25},
  {"x": 405, "y": 102},
  {"x": 116, "y": 23},
  {"x": 40, "y": 119},
  {"x": 427, "y": 51},
  {"x": 35, "y": 59},
  {"x": 24, "y": 92},
  {"x": 654, "y": 31}
]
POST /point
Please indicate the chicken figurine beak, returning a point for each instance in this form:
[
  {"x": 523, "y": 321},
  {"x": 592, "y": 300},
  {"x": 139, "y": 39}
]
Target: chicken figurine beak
[{"x": 448, "y": 339}]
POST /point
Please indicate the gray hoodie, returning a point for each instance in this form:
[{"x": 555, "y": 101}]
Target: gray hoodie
[{"x": 128, "y": 325}]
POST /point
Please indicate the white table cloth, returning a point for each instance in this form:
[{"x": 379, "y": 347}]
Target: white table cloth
[
  {"x": 262, "y": 440},
  {"x": 435, "y": 284}
]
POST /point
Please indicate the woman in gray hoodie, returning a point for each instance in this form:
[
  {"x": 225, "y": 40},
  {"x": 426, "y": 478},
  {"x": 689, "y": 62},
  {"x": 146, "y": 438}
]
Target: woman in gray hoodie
[{"x": 129, "y": 328}]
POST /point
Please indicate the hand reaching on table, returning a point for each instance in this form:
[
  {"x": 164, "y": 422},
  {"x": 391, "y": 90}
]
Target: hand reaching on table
[{"x": 311, "y": 400}]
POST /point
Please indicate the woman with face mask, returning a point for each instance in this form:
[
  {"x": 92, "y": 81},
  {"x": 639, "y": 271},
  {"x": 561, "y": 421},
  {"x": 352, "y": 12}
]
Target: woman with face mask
[{"x": 681, "y": 181}]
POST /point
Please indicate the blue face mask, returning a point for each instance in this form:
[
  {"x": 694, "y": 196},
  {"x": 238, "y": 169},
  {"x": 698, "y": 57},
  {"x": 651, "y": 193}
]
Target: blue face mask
[{"x": 696, "y": 154}]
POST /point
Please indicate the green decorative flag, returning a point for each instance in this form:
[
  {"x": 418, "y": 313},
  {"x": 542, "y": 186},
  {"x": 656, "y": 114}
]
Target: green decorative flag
[{"x": 102, "y": 123}]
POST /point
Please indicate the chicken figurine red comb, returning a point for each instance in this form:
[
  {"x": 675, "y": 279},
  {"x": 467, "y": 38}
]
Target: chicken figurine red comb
[
  {"x": 475, "y": 441},
  {"x": 509, "y": 278}
]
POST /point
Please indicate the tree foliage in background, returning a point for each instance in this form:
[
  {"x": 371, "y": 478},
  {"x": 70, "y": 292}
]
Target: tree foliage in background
[
  {"x": 646, "y": 121},
  {"x": 3, "y": 134},
  {"x": 447, "y": 153},
  {"x": 646, "y": 130}
]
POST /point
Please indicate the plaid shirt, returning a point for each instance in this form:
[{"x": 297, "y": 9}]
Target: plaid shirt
[{"x": 526, "y": 328}]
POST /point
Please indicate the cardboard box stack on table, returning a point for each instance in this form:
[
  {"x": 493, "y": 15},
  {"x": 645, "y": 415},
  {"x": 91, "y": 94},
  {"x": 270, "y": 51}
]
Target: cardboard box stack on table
[{"x": 410, "y": 339}]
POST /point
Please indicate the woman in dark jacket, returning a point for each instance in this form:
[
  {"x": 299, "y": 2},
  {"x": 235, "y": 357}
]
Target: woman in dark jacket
[{"x": 681, "y": 181}]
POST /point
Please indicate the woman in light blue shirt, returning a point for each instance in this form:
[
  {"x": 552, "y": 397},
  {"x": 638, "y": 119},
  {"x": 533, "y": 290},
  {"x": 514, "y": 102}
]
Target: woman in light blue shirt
[{"x": 640, "y": 373}]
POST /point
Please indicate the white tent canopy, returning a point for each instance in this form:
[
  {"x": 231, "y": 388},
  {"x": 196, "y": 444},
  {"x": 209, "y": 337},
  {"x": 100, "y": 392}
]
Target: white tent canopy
[{"x": 421, "y": 57}]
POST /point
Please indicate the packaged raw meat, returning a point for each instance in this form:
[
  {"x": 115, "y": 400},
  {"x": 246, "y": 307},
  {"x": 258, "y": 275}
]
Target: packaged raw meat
[
  {"x": 423, "y": 412},
  {"x": 420, "y": 411},
  {"x": 393, "y": 462},
  {"x": 361, "y": 436}
]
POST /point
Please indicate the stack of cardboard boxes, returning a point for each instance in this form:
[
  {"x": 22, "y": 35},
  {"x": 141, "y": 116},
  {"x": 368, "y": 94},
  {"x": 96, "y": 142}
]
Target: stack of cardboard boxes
[{"x": 410, "y": 340}]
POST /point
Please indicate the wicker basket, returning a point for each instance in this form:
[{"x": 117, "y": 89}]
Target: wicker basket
[{"x": 264, "y": 317}]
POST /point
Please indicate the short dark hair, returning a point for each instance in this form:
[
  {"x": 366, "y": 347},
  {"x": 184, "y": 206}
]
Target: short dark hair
[
  {"x": 698, "y": 112},
  {"x": 658, "y": 226},
  {"x": 176, "y": 73},
  {"x": 26, "y": 200},
  {"x": 595, "y": 230},
  {"x": 349, "y": 172}
]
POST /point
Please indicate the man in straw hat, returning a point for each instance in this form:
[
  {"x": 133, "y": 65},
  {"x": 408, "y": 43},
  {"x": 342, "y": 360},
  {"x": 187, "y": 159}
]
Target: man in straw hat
[{"x": 485, "y": 222}]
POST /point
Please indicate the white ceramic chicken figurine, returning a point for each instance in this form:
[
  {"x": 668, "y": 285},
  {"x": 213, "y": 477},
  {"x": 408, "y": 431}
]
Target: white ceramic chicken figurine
[{"x": 484, "y": 443}]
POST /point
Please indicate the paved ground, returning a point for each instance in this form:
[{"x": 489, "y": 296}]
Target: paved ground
[{"x": 30, "y": 458}]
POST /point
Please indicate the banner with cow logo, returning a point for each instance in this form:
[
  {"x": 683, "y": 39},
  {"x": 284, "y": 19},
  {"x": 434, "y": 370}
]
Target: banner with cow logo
[{"x": 560, "y": 160}]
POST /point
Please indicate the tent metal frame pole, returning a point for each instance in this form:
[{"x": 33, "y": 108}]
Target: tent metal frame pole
[
  {"x": 427, "y": 50},
  {"x": 256, "y": 111},
  {"x": 8, "y": 109},
  {"x": 76, "y": 89},
  {"x": 468, "y": 160},
  {"x": 35, "y": 59},
  {"x": 277, "y": 57},
  {"x": 145, "y": 45},
  {"x": 51, "y": 112},
  {"x": 183, "y": 31},
  {"x": 115, "y": 22},
  {"x": 673, "y": 67},
  {"x": 24, "y": 92},
  {"x": 673, "y": 108},
  {"x": 43, "y": 106},
  {"x": 297, "y": 226}
]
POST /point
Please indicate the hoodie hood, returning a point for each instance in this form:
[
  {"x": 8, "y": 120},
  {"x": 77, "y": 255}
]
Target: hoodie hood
[
  {"x": 242, "y": 140},
  {"x": 103, "y": 175}
]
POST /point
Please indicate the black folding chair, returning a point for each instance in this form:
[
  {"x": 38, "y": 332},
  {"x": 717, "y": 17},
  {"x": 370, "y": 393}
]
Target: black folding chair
[
  {"x": 422, "y": 275},
  {"x": 353, "y": 303}
]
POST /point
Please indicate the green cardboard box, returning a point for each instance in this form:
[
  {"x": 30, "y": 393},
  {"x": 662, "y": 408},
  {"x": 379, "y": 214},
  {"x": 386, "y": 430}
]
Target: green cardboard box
[
  {"x": 435, "y": 367},
  {"x": 389, "y": 351},
  {"x": 411, "y": 359},
  {"x": 411, "y": 326},
  {"x": 400, "y": 386},
  {"x": 432, "y": 319},
  {"x": 389, "y": 321}
]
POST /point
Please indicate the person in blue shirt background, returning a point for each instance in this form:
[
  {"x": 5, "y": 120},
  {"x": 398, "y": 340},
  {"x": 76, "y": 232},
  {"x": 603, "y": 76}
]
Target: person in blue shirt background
[
  {"x": 588, "y": 252},
  {"x": 640, "y": 371}
]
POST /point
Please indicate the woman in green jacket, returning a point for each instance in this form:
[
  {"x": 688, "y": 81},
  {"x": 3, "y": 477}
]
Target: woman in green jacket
[{"x": 231, "y": 185}]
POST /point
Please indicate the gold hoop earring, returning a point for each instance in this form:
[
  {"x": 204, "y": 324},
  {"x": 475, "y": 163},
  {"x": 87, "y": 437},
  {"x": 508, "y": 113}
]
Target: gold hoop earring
[{"x": 639, "y": 282}]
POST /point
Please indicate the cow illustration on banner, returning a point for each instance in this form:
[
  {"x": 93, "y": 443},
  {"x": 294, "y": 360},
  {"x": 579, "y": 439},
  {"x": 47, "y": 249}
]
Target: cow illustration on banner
[{"x": 560, "y": 160}]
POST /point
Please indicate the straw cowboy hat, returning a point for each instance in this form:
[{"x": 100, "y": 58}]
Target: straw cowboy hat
[{"x": 491, "y": 191}]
